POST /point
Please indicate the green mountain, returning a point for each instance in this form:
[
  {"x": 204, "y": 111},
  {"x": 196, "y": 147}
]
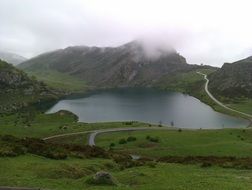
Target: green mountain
[
  {"x": 130, "y": 65},
  {"x": 18, "y": 90},
  {"x": 233, "y": 79}
]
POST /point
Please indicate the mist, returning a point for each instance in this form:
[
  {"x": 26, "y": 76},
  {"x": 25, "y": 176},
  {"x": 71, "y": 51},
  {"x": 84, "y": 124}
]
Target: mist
[{"x": 209, "y": 32}]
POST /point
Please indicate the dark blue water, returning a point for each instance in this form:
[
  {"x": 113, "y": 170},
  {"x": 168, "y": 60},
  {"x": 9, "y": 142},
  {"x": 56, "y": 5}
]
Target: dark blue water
[{"x": 147, "y": 105}]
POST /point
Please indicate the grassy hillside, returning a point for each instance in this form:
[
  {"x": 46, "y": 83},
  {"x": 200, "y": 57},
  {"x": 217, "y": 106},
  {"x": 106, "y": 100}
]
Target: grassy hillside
[
  {"x": 59, "y": 80},
  {"x": 186, "y": 82},
  {"x": 72, "y": 174},
  {"x": 40, "y": 125},
  {"x": 226, "y": 142},
  {"x": 46, "y": 166}
]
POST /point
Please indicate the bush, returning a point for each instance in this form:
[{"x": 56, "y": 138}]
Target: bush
[
  {"x": 154, "y": 139},
  {"x": 128, "y": 123},
  {"x": 122, "y": 141},
  {"x": 130, "y": 139},
  {"x": 112, "y": 145},
  {"x": 179, "y": 130},
  {"x": 206, "y": 164},
  {"x": 152, "y": 164}
]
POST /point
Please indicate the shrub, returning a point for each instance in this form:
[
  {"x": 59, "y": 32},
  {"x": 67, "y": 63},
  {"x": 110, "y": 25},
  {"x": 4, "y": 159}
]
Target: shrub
[
  {"x": 154, "y": 139},
  {"x": 179, "y": 130},
  {"x": 130, "y": 139},
  {"x": 152, "y": 164},
  {"x": 206, "y": 164},
  {"x": 128, "y": 123},
  {"x": 112, "y": 145},
  {"x": 122, "y": 141}
]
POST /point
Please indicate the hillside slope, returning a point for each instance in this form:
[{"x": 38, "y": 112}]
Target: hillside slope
[
  {"x": 18, "y": 90},
  {"x": 127, "y": 65},
  {"x": 233, "y": 79}
]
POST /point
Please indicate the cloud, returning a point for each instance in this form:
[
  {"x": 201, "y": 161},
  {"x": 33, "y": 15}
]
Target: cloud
[{"x": 209, "y": 31}]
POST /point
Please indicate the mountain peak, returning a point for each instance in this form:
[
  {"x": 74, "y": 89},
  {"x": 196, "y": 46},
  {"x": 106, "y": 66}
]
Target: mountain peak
[{"x": 148, "y": 49}]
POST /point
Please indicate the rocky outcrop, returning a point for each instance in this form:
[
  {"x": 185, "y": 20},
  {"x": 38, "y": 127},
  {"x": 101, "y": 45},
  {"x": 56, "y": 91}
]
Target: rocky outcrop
[
  {"x": 18, "y": 90},
  {"x": 233, "y": 79},
  {"x": 102, "y": 178}
]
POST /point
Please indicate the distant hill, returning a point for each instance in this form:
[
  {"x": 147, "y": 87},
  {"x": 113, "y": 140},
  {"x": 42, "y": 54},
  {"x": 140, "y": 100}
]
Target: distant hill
[
  {"x": 18, "y": 90},
  {"x": 11, "y": 58},
  {"x": 233, "y": 79},
  {"x": 131, "y": 64}
]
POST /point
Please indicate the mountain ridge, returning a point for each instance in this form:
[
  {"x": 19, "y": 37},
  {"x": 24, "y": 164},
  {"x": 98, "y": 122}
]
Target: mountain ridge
[
  {"x": 12, "y": 58},
  {"x": 131, "y": 64}
]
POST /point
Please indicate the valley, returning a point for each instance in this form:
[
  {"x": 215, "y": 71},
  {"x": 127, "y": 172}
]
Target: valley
[{"x": 56, "y": 106}]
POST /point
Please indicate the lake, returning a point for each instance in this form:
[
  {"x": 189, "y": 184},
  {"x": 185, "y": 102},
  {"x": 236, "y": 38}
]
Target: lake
[{"x": 147, "y": 105}]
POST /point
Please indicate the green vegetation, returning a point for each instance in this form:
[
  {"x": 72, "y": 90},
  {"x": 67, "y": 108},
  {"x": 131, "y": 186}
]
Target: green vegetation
[
  {"x": 60, "y": 81},
  {"x": 186, "y": 82},
  {"x": 172, "y": 159},
  {"x": 244, "y": 105},
  {"x": 43, "y": 125},
  {"x": 225, "y": 142},
  {"x": 73, "y": 173},
  {"x": 19, "y": 91}
]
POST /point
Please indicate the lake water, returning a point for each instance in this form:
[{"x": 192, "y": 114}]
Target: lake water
[{"x": 147, "y": 105}]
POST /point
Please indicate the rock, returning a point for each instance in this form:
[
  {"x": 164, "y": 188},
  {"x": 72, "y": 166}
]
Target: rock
[{"x": 102, "y": 178}]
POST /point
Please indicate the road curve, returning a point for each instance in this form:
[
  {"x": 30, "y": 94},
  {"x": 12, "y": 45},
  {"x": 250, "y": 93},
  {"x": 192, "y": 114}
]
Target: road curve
[
  {"x": 66, "y": 134},
  {"x": 217, "y": 101},
  {"x": 91, "y": 140},
  {"x": 94, "y": 133}
]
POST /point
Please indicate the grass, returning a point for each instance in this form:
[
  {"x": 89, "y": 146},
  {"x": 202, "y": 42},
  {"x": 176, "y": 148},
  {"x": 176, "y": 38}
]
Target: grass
[
  {"x": 183, "y": 82},
  {"x": 43, "y": 125},
  {"x": 34, "y": 171},
  {"x": 244, "y": 105},
  {"x": 225, "y": 142},
  {"x": 60, "y": 81}
]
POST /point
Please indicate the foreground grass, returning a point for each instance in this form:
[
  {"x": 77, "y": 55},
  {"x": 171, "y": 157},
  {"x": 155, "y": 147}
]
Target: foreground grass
[
  {"x": 31, "y": 171},
  {"x": 224, "y": 142}
]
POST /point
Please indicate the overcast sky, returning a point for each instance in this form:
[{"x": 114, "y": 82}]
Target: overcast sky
[{"x": 203, "y": 31}]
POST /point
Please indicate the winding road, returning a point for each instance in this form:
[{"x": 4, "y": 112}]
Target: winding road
[
  {"x": 94, "y": 133},
  {"x": 217, "y": 101},
  {"x": 91, "y": 140}
]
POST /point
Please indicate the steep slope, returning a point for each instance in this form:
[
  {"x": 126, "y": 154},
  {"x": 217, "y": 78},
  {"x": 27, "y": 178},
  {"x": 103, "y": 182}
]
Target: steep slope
[
  {"x": 233, "y": 79},
  {"x": 128, "y": 65},
  {"x": 18, "y": 90},
  {"x": 12, "y": 58}
]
